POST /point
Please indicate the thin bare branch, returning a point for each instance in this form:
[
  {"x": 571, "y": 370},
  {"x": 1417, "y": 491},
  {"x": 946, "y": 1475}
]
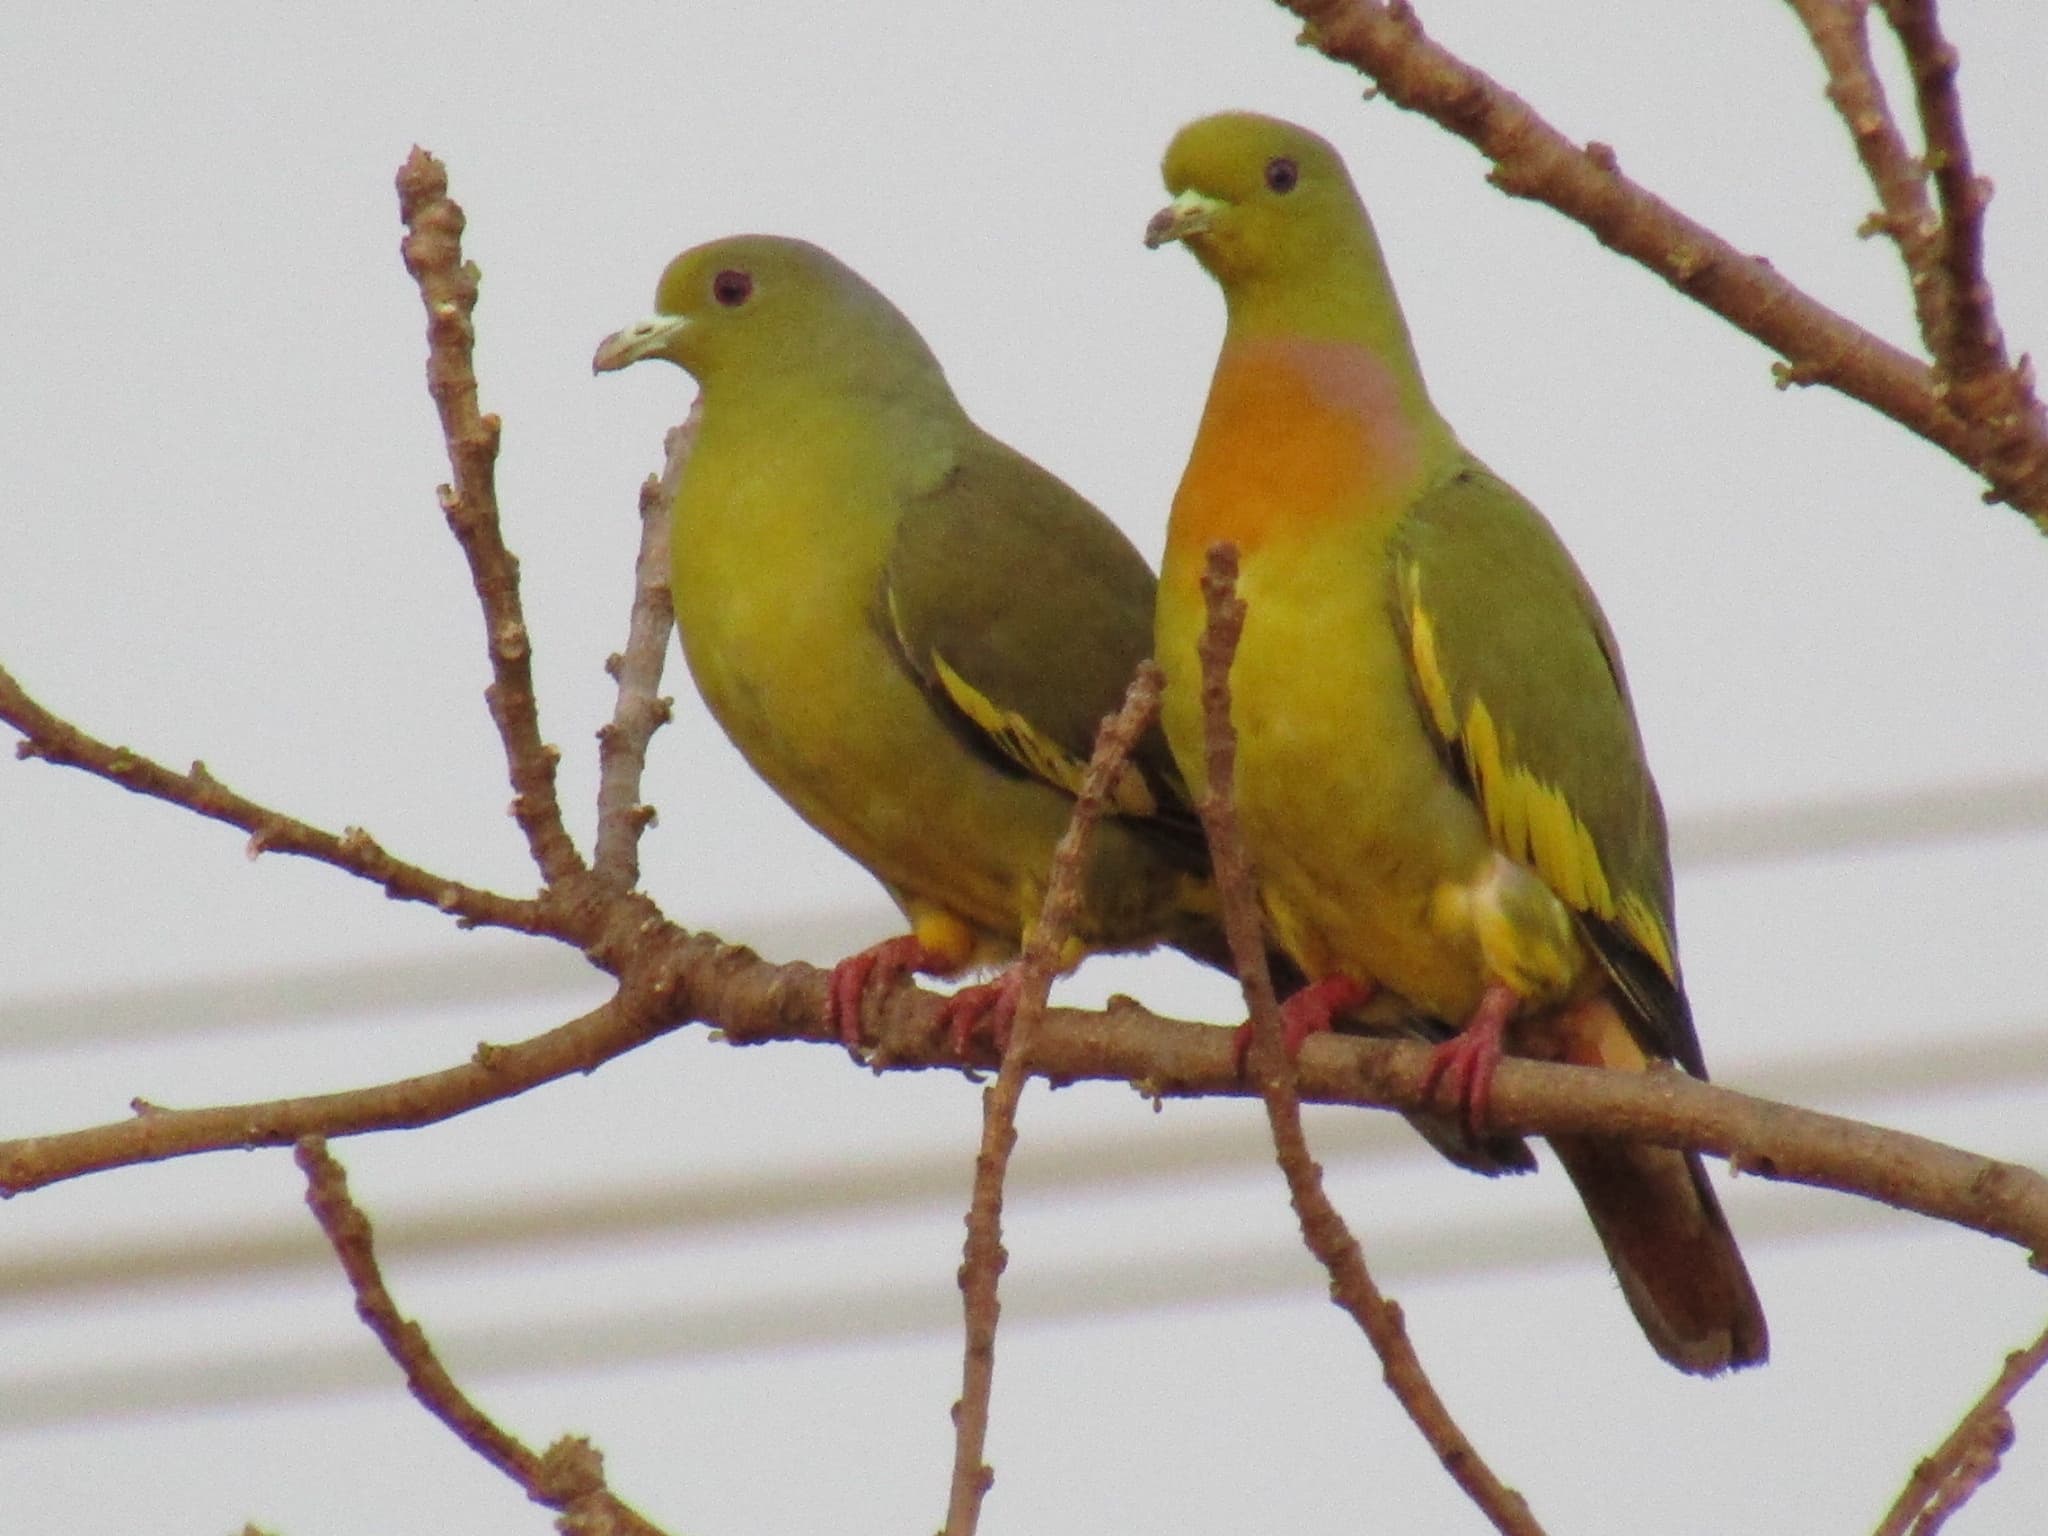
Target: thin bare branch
[
  {"x": 2000, "y": 434},
  {"x": 1968, "y": 346},
  {"x": 432, "y": 248},
  {"x": 1969, "y": 1458},
  {"x": 641, "y": 710},
  {"x": 1841, "y": 36},
  {"x": 1323, "y": 1228},
  {"x": 568, "y": 1479},
  {"x": 1044, "y": 955},
  {"x": 55, "y": 740}
]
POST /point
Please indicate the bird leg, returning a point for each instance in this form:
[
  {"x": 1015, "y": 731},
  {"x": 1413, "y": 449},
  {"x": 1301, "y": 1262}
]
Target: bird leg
[
  {"x": 885, "y": 963},
  {"x": 1308, "y": 1012},
  {"x": 1467, "y": 1060}
]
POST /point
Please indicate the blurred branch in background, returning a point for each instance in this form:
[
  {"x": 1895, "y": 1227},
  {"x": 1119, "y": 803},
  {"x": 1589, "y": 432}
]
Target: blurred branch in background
[{"x": 643, "y": 1224}]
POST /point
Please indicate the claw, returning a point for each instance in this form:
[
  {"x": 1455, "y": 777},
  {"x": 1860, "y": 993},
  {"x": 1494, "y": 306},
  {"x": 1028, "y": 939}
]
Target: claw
[
  {"x": 1309, "y": 1012},
  {"x": 991, "y": 1005},
  {"x": 884, "y": 963},
  {"x": 1467, "y": 1060}
]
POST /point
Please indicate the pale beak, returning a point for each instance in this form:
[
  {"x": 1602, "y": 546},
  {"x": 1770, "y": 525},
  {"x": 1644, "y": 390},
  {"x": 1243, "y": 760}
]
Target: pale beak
[
  {"x": 1189, "y": 214},
  {"x": 642, "y": 339}
]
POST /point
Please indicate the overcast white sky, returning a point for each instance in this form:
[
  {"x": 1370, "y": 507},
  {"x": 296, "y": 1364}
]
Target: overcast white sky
[{"x": 218, "y": 539}]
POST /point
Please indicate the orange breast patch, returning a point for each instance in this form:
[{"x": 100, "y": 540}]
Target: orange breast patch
[{"x": 1295, "y": 433}]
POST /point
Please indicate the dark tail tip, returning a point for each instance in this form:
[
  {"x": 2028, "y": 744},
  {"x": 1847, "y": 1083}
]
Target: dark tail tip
[{"x": 1679, "y": 1268}]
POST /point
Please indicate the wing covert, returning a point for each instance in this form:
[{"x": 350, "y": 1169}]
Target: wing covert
[
  {"x": 1024, "y": 613},
  {"x": 1519, "y": 680}
]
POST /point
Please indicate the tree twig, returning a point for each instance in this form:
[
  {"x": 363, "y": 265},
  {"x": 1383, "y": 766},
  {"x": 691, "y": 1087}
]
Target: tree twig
[
  {"x": 1967, "y": 345},
  {"x": 1999, "y": 433},
  {"x": 641, "y": 710},
  {"x": 1044, "y": 953},
  {"x": 353, "y": 851},
  {"x": 568, "y": 1479},
  {"x": 1969, "y": 1457},
  {"x": 1323, "y": 1227},
  {"x": 432, "y": 248},
  {"x": 1841, "y": 37}
]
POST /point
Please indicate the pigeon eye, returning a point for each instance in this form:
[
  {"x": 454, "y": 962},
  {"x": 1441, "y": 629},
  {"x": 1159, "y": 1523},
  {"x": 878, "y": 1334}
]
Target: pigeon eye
[
  {"x": 732, "y": 287},
  {"x": 1282, "y": 174}
]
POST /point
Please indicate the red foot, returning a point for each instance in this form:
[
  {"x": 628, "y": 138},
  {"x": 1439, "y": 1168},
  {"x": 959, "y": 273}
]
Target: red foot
[
  {"x": 991, "y": 1005},
  {"x": 1467, "y": 1060},
  {"x": 851, "y": 977},
  {"x": 1308, "y": 1012}
]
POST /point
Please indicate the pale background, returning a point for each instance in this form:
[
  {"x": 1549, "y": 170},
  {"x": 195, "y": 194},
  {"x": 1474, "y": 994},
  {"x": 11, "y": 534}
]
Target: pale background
[{"x": 218, "y": 538}]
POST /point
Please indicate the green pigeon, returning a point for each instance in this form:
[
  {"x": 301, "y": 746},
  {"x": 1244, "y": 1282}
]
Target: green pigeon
[
  {"x": 910, "y": 630},
  {"x": 1440, "y": 779}
]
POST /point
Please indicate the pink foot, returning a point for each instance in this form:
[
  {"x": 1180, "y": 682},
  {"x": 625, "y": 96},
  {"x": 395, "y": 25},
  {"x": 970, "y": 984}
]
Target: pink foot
[
  {"x": 1308, "y": 1012},
  {"x": 851, "y": 977},
  {"x": 991, "y": 1005},
  {"x": 1467, "y": 1060}
]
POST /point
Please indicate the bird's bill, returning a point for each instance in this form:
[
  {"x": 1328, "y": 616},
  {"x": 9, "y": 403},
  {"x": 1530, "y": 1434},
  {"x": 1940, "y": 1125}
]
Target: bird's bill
[
  {"x": 641, "y": 340},
  {"x": 1188, "y": 214}
]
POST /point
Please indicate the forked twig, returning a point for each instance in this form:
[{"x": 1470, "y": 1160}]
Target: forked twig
[
  {"x": 1969, "y": 1458},
  {"x": 1943, "y": 252}
]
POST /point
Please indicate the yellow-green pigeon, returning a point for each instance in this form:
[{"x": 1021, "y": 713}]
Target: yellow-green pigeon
[
  {"x": 910, "y": 630},
  {"x": 1440, "y": 780}
]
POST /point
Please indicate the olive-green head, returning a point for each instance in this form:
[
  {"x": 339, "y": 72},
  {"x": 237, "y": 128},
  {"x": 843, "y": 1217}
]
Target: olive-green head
[
  {"x": 1255, "y": 197},
  {"x": 1269, "y": 209},
  {"x": 762, "y": 309}
]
